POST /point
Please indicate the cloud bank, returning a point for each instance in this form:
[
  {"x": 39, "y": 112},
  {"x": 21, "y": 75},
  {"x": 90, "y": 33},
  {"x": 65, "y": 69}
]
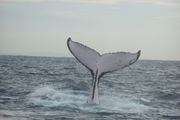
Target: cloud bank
[{"x": 103, "y": 2}]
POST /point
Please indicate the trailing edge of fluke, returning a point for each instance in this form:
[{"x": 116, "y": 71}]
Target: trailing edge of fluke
[{"x": 99, "y": 64}]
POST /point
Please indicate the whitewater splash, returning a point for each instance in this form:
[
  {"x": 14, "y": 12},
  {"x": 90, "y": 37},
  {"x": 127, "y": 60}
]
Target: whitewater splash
[{"x": 47, "y": 96}]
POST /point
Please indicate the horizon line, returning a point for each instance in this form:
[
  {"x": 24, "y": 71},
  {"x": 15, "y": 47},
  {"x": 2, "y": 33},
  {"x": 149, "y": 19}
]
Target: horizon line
[{"x": 148, "y": 59}]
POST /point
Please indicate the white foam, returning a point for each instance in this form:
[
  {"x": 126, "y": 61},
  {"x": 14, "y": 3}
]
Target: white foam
[
  {"x": 50, "y": 97},
  {"x": 116, "y": 103}
]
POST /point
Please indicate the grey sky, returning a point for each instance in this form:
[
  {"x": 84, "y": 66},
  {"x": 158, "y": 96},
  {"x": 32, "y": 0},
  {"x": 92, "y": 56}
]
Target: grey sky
[{"x": 41, "y": 27}]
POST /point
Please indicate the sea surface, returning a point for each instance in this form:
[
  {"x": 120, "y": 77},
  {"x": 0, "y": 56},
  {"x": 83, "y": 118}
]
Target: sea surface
[{"x": 47, "y": 88}]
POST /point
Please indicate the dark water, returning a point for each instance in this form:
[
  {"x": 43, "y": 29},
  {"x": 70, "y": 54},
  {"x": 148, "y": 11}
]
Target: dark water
[{"x": 42, "y": 88}]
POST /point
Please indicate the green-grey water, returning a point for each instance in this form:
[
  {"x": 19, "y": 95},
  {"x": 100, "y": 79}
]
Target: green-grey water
[{"x": 47, "y": 88}]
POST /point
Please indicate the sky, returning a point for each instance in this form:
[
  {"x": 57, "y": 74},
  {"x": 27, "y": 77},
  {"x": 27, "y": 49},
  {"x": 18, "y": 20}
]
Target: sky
[{"x": 42, "y": 27}]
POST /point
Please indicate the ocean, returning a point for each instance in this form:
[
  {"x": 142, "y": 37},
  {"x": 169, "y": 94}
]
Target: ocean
[{"x": 52, "y": 88}]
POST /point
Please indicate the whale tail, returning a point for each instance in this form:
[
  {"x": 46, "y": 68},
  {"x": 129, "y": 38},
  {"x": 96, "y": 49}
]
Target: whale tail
[{"x": 98, "y": 64}]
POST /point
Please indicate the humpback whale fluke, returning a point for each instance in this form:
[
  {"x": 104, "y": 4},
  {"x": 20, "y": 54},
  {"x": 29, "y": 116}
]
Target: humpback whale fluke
[{"x": 98, "y": 64}]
